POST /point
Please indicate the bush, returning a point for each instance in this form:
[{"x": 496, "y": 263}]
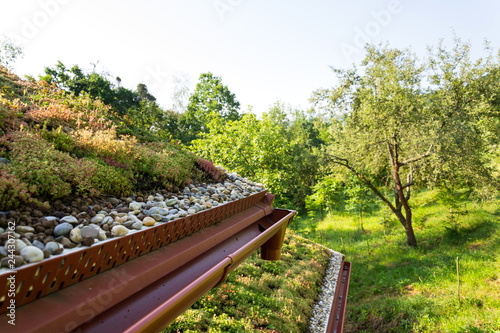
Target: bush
[
  {"x": 60, "y": 140},
  {"x": 208, "y": 168},
  {"x": 105, "y": 143},
  {"x": 55, "y": 174},
  {"x": 107, "y": 179},
  {"x": 57, "y": 108},
  {"x": 36, "y": 162},
  {"x": 165, "y": 165},
  {"x": 14, "y": 193}
]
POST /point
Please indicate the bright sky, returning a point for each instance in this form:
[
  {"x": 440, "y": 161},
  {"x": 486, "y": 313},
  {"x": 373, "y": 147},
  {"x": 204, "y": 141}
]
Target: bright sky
[{"x": 264, "y": 50}]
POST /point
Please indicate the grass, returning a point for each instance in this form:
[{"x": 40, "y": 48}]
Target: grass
[
  {"x": 262, "y": 296},
  {"x": 396, "y": 288}
]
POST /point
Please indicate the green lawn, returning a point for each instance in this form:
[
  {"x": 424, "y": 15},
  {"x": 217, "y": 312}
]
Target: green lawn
[{"x": 395, "y": 288}]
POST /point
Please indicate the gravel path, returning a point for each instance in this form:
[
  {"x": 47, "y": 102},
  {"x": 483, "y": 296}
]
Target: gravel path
[{"x": 322, "y": 308}]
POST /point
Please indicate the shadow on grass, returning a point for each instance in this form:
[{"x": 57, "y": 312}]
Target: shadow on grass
[
  {"x": 388, "y": 277},
  {"x": 472, "y": 236}
]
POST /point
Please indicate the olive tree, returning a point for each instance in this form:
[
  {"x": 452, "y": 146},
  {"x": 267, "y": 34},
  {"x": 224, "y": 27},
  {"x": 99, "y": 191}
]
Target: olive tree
[{"x": 398, "y": 123}]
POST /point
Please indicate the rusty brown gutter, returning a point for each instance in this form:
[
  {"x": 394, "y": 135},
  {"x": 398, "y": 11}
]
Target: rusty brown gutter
[
  {"x": 337, "y": 311},
  {"x": 145, "y": 294}
]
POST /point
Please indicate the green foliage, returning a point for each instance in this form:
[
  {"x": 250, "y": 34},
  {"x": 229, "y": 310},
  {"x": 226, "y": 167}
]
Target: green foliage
[
  {"x": 163, "y": 165},
  {"x": 328, "y": 195},
  {"x": 210, "y": 99},
  {"x": 274, "y": 150},
  {"x": 110, "y": 179},
  {"x": 136, "y": 110},
  {"x": 53, "y": 174},
  {"x": 53, "y": 108},
  {"x": 14, "y": 193},
  {"x": 37, "y": 163},
  {"x": 62, "y": 144},
  {"x": 260, "y": 295},
  {"x": 61, "y": 140},
  {"x": 359, "y": 198}
]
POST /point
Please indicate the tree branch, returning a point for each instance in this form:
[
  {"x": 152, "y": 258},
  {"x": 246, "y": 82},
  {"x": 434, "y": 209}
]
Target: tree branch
[
  {"x": 414, "y": 159},
  {"x": 345, "y": 163}
]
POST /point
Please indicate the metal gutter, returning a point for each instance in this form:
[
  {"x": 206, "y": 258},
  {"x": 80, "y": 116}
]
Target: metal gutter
[
  {"x": 145, "y": 294},
  {"x": 337, "y": 311}
]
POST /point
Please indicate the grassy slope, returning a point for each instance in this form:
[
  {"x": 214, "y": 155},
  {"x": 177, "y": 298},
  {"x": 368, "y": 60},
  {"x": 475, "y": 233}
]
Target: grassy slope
[
  {"x": 262, "y": 296},
  {"x": 395, "y": 288}
]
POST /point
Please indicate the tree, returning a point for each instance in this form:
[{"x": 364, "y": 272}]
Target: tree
[
  {"x": 75, "y": 80},
  {"x": 181, "y": 93},
  {"x": 137, "y": 110},
  {"x": 9, "y": 52},
  {"x": 210, "y": 99},
  {"x": 390, "y": 127},
  {"x": 275, "y": 150}
]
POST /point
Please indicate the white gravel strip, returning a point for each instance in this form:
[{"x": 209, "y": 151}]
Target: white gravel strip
[{"x": 321, "y": 310}]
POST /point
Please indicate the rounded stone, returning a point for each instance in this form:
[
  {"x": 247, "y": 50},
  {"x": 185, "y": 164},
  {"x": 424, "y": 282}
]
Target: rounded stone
[
  {"x": 119, "y": 230},
  {"x": 67, "y": 243},
  {"x": 135, "y": 206},
  {"x": 75, "y": 235},
  {"x": 38, "y": 244},
  {"x": 19, "y": 244},
  {"x": 102, "y": 235},
  {"x": 157, "y": 211},
  {"x": 157, "y": 217},
  {"x": 148, "y": 221},
  {"x": 63, "y": 229},
  {"x": 87, "y": 241},
  {"x": 136, "y": 225},
  {"x": 128, "y": 224},
  {"x": 90, "y": 231},
  {"x": 52, "y": 247},
  {"x": 32, "y": 254},
  {"x": 22, "y": 229},
  {"x": 107, "y": 220},
  {"x": 171, "y": 202},
  {"x": 69, "y": 219},
  {"x": 98, "y": 218}
]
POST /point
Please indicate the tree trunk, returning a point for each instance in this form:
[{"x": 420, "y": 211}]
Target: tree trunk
[
  {"x": 401, "y": 200},
  {"x": 410, "y": 235}
]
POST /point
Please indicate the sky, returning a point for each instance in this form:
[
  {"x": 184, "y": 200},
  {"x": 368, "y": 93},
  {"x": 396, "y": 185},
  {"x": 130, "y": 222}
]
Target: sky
[{"x": 264, "y": 51}]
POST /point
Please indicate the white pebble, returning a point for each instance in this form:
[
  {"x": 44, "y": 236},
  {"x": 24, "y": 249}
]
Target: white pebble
[
  {"x": 119, "y": 230},
  {"x": 32, "y": 254}
]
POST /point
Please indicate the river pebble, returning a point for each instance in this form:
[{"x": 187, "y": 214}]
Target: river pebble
[
  {"x": 84, "y": 221},
  {"x": 32, "y": 254}
]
